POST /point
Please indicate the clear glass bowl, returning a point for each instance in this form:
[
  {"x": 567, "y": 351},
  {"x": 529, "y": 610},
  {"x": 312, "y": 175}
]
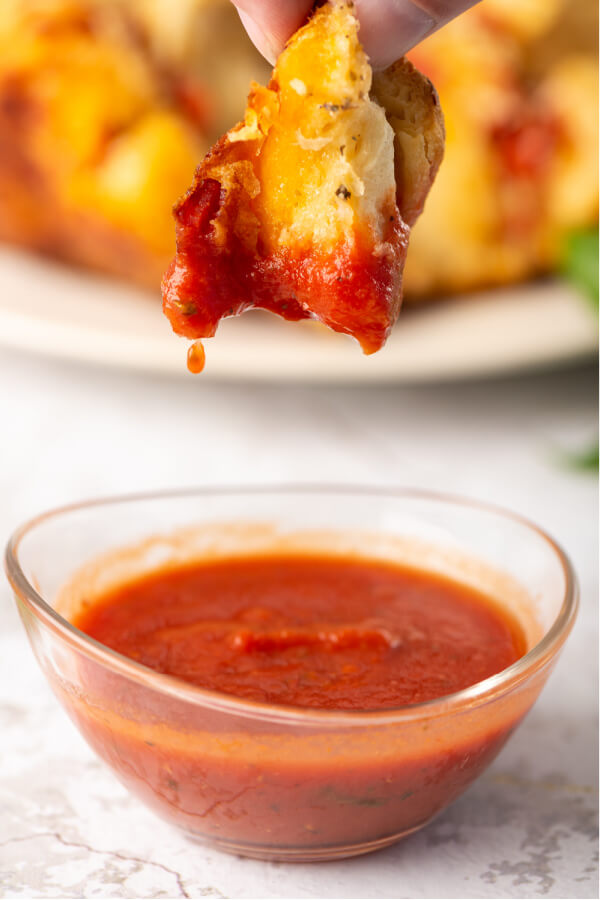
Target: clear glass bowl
[{"x": 278, "y": 782}]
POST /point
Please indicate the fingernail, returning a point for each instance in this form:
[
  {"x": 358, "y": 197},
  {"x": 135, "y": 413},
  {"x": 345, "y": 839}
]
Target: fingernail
[{"x": 389, "y": 28}]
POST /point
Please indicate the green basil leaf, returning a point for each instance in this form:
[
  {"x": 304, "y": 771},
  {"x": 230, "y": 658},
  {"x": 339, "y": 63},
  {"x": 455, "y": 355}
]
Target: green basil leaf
[{"x": 579, "y": 262}]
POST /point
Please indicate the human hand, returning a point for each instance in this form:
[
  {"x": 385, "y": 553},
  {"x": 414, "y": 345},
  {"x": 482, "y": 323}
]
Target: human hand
[{"x": 389, "y": 28}]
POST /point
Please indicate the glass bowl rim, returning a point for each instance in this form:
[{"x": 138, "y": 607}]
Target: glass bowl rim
[{"x": 480, "y": 693}]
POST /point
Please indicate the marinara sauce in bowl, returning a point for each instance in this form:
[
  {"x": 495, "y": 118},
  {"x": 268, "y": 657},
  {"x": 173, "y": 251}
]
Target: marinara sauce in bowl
[{"x": 292, "y": 673}]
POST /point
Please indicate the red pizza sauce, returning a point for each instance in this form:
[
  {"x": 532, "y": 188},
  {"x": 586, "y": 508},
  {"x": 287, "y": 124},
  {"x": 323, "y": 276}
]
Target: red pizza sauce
[
  {"x": 319, "y": 633},
  {"x": 351, "y": 288},
  {"x": 309, "y": 631}
]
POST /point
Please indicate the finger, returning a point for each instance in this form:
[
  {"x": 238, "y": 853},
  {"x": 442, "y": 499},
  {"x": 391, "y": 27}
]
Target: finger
[
  {"x": 270, "y": 23},
  {"x": 390, "y": 28}
]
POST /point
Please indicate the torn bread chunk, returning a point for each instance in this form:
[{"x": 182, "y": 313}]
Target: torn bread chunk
[{"x": 304, "y": 208}]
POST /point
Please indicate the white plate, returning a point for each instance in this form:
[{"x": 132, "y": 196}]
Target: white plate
[{"x": 52, "y": 309}]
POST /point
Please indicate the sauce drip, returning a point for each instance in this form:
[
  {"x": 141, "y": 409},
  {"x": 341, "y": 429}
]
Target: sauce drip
[{"x": 196, "y": 358}]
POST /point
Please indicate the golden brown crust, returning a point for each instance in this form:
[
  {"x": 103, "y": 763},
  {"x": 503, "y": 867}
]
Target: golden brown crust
[{"x": 413, "y": 110}]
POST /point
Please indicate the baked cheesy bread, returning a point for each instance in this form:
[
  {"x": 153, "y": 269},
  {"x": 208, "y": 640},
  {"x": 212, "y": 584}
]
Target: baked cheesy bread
[
  {"x": 97, "y": 135},
  {"x": 304, "y": 208},
  {"x": 519, "y": 89}
]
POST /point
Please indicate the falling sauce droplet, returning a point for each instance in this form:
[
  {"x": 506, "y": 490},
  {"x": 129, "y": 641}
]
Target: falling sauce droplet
[{"x": 196, "y": 358}]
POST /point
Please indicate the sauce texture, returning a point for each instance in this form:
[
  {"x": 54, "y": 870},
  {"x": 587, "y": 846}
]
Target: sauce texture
[{"x": 309, "y": 631}]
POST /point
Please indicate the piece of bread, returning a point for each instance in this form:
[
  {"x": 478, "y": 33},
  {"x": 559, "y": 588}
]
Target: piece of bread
[
  {"x": 96, "y": 136},
  {"x": 521, "y": 160},
  {"x": 304, "y": 208}
]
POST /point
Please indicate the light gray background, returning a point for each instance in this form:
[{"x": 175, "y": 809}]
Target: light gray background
[{"x": 526, "y": 829}]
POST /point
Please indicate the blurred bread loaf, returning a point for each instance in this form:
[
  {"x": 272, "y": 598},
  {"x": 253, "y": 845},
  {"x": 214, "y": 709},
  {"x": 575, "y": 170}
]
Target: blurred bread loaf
[
  {"x": 98, "y": 136},
  {"x": 106, "y": 106},
  {"x": 517, "y": 81}
]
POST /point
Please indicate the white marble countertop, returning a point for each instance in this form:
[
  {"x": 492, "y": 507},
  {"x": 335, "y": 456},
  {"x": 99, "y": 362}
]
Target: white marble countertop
[{"x": 527, "y": 828}]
